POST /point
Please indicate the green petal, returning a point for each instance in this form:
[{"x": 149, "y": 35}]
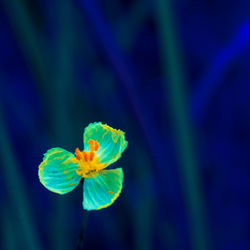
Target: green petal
[
  {"x": 103, "y": 189},
  {"x": 112, "y": 141},
  {"x": 57, "y": 172}
]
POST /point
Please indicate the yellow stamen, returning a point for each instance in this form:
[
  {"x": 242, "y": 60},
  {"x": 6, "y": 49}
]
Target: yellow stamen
[
  {"x": 88, "y": 163},
  {"x": 78, "y": 154},
  {"x": 85, "y": 155},
  {"x": 93, "y": 145},
  {"x": 96, "y": 145},
  {"x": 91, "y": 155}
]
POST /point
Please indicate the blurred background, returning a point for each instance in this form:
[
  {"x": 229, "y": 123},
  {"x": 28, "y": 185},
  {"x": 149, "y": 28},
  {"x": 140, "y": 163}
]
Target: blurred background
[{"x": 174, "y": 75}]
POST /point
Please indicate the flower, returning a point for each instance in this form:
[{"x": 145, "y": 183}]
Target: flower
[{"x": 61, "y": 171}]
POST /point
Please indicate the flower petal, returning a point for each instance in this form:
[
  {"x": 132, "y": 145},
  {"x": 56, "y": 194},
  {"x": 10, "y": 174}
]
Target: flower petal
[
  {"x": 111, "y": 141},
  {"x": 103, "y": 189},
  {"x": 57, "y": 172}
]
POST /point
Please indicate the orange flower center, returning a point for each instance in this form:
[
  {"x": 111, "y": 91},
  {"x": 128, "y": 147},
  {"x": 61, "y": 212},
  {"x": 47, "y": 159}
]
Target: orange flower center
[{"x": 89, "y": 163}]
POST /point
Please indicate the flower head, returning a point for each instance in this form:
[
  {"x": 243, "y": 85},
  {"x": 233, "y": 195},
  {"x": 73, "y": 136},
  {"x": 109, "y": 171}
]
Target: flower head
[{"x": 61, "y": 171}]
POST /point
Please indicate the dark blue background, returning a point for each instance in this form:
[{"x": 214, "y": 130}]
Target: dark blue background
[{"x": 175, "y": 77}]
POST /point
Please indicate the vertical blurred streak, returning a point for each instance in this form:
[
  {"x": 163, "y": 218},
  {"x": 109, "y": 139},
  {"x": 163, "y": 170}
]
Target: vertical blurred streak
[
  {"x": 176, "y": 93},
  {"x": 8, "y": 241},
  {"x": 16, "y": 188},
  {"x": 144, "y": 211},
  {"x": 211, "y": 80},
  {"x": 118, "y": 62},
  {"x": 129, "y": 25},
  {"x": 27, "y": 35},
  {"x": 60, "y": 101}
]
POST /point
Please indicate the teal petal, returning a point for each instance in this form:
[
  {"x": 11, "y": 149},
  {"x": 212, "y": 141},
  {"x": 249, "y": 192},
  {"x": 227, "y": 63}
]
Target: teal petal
[
  {"x": 103, "y": 189},
  {"x": 111, "y": 141},
  {"x": 57, "y": 172}
]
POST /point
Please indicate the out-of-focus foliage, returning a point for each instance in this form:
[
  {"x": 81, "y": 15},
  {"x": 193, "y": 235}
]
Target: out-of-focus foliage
[{"x": 67, "y": 63}]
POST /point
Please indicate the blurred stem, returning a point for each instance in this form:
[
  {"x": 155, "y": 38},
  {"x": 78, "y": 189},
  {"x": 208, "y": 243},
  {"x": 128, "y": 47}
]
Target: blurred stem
[
  {"x": 176, "y": 94},
  {"x": 15, "y": 186},
  {"x": 82, "y": 236}
]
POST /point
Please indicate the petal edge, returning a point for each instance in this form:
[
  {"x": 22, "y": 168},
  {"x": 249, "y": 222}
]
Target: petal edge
[
  {"x": 57, "y": 172},
  {"x": 102, "y": 190},
  {"x": 112, "y": 141}
]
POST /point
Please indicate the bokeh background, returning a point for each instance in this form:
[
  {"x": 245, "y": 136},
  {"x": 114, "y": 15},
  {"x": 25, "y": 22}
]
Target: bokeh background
[{"x": 174, "y": 75}]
